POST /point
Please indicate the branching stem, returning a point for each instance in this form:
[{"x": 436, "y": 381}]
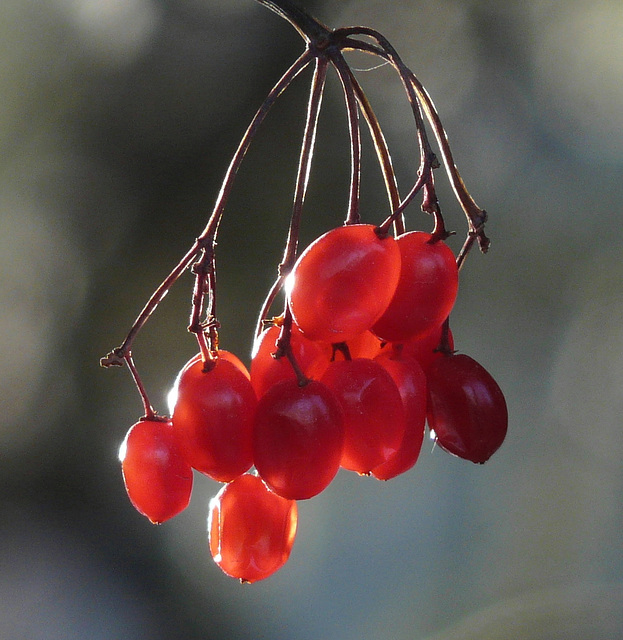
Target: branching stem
[
  {"x": 324, "y": 47},
  {"x": 207, "y": 237}
]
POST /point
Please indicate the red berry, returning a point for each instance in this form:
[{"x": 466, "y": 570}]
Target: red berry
[
  {"x": 374, "y": 415},
  {"x": 298, "y": 438},
  {"x": 157, "y": 477},
  {"x": 213, "y": 418},
  {"x": 424, "y": 348},
  {"x": 251, "y": 529},
  {"x": 365, "y": 345},
  {"x": 342, "y": 283},
  {"x": 426, "y": 291},
  {"x": 466, "y": 408},
  {"x": 234, "y": 359},
  {"x": 312, "y": 357},
  {"x": 411, "y": 382}
]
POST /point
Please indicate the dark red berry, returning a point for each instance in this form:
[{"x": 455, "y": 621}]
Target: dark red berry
[{"x": 466, "y": 408}]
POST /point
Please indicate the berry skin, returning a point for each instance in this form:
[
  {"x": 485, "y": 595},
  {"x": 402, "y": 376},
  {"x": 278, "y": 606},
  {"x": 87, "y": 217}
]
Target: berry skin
[
  {"x": 251, "y": 529},
  {"x": 426, "y": 291},
  {"x": 157, "y": 477},
  {"x": 213, "y": 418},
  {"x": 466, "y": 408},
  {"x": 374, "y": 415},
  {"x": 411, "y": 382},
  {"x": 424, "y": 348},
  {"x": 312, "y": 358},
  {"x": 342, "y": 283},
  {"x": 365, "y": 345},
  {"x": 234, "y": 359},
  {"x": 298, "y": 438}
]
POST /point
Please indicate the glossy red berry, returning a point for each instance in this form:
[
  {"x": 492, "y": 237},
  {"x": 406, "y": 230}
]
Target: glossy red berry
[
  {"x": 251, "y": 529},
  {"x": 342, "y": 283},
  {"x": 156, "y": 475},
  {"x": 298, "y": 438},
  {"x": 312, "y": 357},
  {"x": 466, "y": 408},
  {"x": 374, "y": 415},
  {"x": 213, "y": 418},
  {"x": 411, "y": 382},
  {"x": 426, "y": 291}
]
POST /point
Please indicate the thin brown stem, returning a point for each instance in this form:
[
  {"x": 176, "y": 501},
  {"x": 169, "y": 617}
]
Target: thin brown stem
[
  {"x": 202, "y": 287},
  {"x": 268, "y": 303},
  {"x": 471, "y": 237},
  {"x": 284, "y": 347},
  {"x": 287, "y": 78},
  {"x": 149, "y": 413},
  {"x": 382, "y": 152},
  {"x": 116, "y": 357},
  {"x": 307, "y": 153},
  {"x": 342, "y": 69},
  {"x": 204, "y": 348},
  {"x": 307, "y": 150},
  {"x": 387, "y": 52},
  {"x": 396, "y": 215},
  {"x": 444, "y": 345},
  {"x": 308, "y": 27},
  {"x": 428, "y": 160},
  {"x": 417, "y": 94},
  {"x": 475, "y": 215},
  {"x": 206, "y": 330},
  {"x": 207, "y": 237}
]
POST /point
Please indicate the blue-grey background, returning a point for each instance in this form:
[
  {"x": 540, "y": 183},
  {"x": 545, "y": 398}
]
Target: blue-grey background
[{"x": 117, "y": 122}]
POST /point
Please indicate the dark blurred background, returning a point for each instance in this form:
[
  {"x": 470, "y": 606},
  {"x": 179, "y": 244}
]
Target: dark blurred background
[{"x": 117, "y": 122}]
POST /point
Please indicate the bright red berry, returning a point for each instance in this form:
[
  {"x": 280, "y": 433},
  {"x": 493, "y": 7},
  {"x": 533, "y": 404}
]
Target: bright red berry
[
  {"x": 213, "y": 417},
  {"x": 311, "y": 357},
  {"x": 157, "y": 477},
  {"x": 411, "y": 382},
  {"x": 251, "y": 529},
  {"x": 426, "y": 291},
  {"x": 342, "y": 283},
  {"x": 374, "y": 415},
  {"x": 466, "y": 408},
  {"x": 298, "y": 438}
]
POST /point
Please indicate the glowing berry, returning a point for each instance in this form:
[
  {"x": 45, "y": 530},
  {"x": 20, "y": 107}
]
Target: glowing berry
[
  {"x": 426, "y": 291},
  {"x": 411, "y": 382},
  {"x": 298, "y": 438},
  {"x": 311, "y": 357},
  {"x": 156, "y": 475},
  {"x": 342, "y": 283},
  {"x": 251, "y": 529},
  {"x": 213, "y": 417},
  {"x": 374, "y": 415}
]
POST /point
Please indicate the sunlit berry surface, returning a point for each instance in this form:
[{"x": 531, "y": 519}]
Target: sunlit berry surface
[
  {"x": 156, "y": 475},
  {"x": 251, "y": 529},
  {"x": 343, "y": 282},
  {"x": 213, "y": 418}
]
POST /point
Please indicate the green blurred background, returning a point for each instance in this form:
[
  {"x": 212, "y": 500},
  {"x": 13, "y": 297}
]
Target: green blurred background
[{"x": 117, "y": 122}]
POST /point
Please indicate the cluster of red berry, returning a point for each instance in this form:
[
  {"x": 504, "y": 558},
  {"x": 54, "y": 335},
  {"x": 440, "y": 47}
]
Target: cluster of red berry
[
  {"x": 345, "y": 380},
  {"x": 347, "y": 375}
]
